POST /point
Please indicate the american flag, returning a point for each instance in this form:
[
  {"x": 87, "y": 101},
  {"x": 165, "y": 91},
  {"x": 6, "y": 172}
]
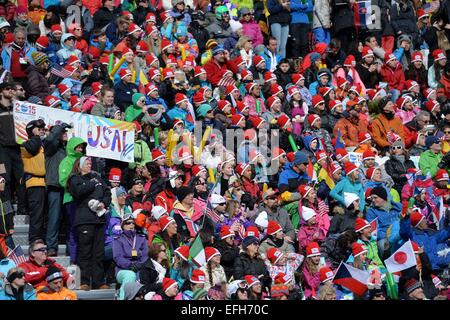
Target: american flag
[
  {"x": 59, "y": 71},
  {"x": 211, "y": 213},
  {"x": 16, "y": 255}
]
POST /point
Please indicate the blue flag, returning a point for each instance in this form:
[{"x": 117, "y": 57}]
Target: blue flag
[{"x": 339, "y": 142}]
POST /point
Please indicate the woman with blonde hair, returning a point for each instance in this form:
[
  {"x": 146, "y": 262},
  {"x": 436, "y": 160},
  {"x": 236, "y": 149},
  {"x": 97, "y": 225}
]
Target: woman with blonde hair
[
  {"x": 244, "y": 49},
  {"x": 327, "y": 291}
]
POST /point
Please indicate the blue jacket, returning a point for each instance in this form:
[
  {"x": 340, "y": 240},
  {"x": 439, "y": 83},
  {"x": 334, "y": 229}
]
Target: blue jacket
[
  {"x": 314, "y": 87},
  {"x": 65, "y": 52},
  {"x": 28, "y": 293},
  {"x": 345, "y": 185},
  {"x": 289, "y": 180},
  {"x": 431, "y": 240},
  {"x": 178, "y": 113},
  {"x": 5, "y": 265},
  {"x": 299, "y": 11},
  {"x": 7, "y": 51},
  {"x": 265, "y": 54},
  {"x": 386, "y": 219}
]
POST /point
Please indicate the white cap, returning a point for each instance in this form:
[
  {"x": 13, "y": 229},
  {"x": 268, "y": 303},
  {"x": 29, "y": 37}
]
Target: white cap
[
  {"x": 349, "y": 198},
  {"x": 172, "y": 177},
  {"x": 262, "y": 220},
  {"x": 217, "y": 199},
  {"x": 158, "y": 212},
  {"x": 307, "y": 213},
  {"x": 233, "y": 287}
]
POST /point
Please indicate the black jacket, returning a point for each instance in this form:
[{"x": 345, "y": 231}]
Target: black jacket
[
  {"x": 55, "y": 152},
  {"x": 103, "y": 17},
  {"x": 370, "y": 79},
  {"x": 148, "y": 276},
  {"x": 343, "y": 222},
  {"x": 244, "y": 265},
  {"x": 37, "y": 84},
  {"x": 342, "y": 15},
  {"x": 228, "y": 256},
  {"x": 7, "y": 132},
  {"x": 397, "y": 170},
  {"x": 85, "y": 188},
  {"x": 278, "y": 14},
  {"x": 123, "y": 94}
]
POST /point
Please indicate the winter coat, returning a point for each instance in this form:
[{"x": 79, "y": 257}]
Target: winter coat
[
  {"x": 65, "y": 53},
  {"x": 403, "y": 18},
  {"x": 85, "y": 188},
  {"x": 386, "y": 219},
  {"x": 370, "y": 79},
  {"x": 37, "y": 84},
  {"x": 186, "y": 228},
  {"x": 322, "y": 14},
  {"x": 103, "y": 17},
  {"x": 394, "y": 77},
  {"x": 228, "y": 255},
  {"x": 149, "y": 276},
  {"x": 333, "y": 254},
  {"x": 45, "y": 293},
  {"x": 345, "y": 185},
  {"x": 281, "y": 216},
  {"x": 432, "y": 241},
  {"x": 66, "y": 165},
  {"x": 268, "y": 243},
  {"x": 278, "y": 14},
  {"x": 218, "y": 276},
  {"x": 55, "y": 152},
  {"x": 123, "y": 248},
  {"x": 142, "y": 154},
  {"x": 311, "y": 283},
  {"x": 123, "y": 93},
  {"x": 244, "y": 265},
  {"x": 101, "y": 110},
  {"x": 342, "y": 17},
  {"x": 252, "y": 30},
  {"x": 350, "y": 131},
  {"x": 220, "y": 32},
  {"x": 290, "y": 180},
  {"x": 343, "y": 222},
  {"x": 397, "y": 170},
  {"x": 300, "y": 10},
  {"x": 293, "y": 263},
  {"x": 380, "y": 127},
  {"x": 372, "y": 251},
  {"x": 417, "y": 150},
  {"x": 6, "y": 293},
  {"x": 428, "y": 162},
  {"x": 306, "y": 233},
  {"x": 35, "y": 274},
  {"x": 33, "y": 159},
  {"x": 7, "y": 54},
  {"x": 178, "y": 113}
]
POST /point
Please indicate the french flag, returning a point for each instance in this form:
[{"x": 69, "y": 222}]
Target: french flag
[{"x": 351, "y": 278}]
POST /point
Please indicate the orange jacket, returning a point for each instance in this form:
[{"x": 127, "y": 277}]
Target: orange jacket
[
  {"x": 350, "y": 131},
  {"x": 381, "y": 126},
  {"x": 44, "y": 293}
]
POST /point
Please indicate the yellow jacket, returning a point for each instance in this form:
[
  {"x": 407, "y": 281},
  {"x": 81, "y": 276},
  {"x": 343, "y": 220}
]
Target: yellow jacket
[
  {"x": 65, "y": 294},
  {"x": 33, "y": 162}
]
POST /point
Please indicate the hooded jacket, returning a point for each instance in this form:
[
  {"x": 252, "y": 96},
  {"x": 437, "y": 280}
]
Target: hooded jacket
[
  {"x": 66, "y": 165},
  {"x": 345, "y": 185},
  {"x": 300, "y": 11},
  {"x": 386, "y": 219},
  {"x": 314, "y": 87},
  {"x": 394, "y": 77},
  {"x": 228, "y": 256},
  {"x": 311, "y": 154},
  {"x": 36, "y": 274},
  {"x": 6, "y": 293},
  {"x": 244, "y": 265},
  {"x": 350, "y": 131},
  {"x": 380, "y": 127},
  {"x": 428, "y": 162},
  {"x": 65, "y": 52}
]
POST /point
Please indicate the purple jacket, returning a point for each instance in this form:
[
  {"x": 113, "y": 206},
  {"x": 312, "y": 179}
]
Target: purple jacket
[
  {"x": 252, "y": 30},
  {"x": 112, "y": 229},
  {"x": 229, "y": 222},
  {"x": 122, "y": 247}
]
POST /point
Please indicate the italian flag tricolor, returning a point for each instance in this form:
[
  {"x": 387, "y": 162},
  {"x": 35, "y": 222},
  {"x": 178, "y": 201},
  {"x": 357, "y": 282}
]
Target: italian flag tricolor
[{"x": 197, "y": 252}]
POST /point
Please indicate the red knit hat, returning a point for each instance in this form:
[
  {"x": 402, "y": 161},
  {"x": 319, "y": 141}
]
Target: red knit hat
[
  {"x": 137, "y": 126},
  {"x": 271, "y": 101},
  {"x": 282, "y": 278},
  {"x": 402, "y": 101},
  {"x": 321, "y": 155},
  {"x": 361, "y": 224},
  {"x": 439, "y": 54},
  {"x": 275, "y": 89},
  {"x": 171, "y": 60},
  {"x": 417, "y": 56},
  {"x": 249, "y": 86},
  {"x": 152, "y": 73},
  {"x": 236, "y": 119},
  {"x": 62, "y": 88},
  {"x": 179, "y": 98},
  {"x": 370, "y": 172},
  {"x": 244, "y": 74},
  {"x": 56, "y": 27},
  {"x": 230, "y": 89},
  {"x": 283, "y": 121},
  {"x": 42, "y": 41},
  {"x": 293, "y": 90},
  {"x": 164, "y": 16},
  {"x": 183, "y": 252},
  {"x": 51, "y": 101},
  {"x": 150, "y": 17},
  {"x": 126, "y": 51},
  {"x": 225, "y": 232},
  {"x": 124, "y": 72},
  {"x": 75, "y": 104},
  {"x": 184, "y": 153},
  {"x": 149, "y": 88},
  {"x": 115, "y": 175},
  {"x": 273, "y": 227},
  {"x": 416, "y": 218},
  {"x": 312, "y": 249},
  {"x": 156, "y": 154},
  {"x": 290, "y": 156},
  {"x": 368, "y": 155},
  {"x": 241, "y": 167},
  {"x": 269, "y": 76},
  {"x": 421, "y": 14},
  {"x": 367, "y": 52},
  {"x": 239, "y": 61},
  {"x": 222, "y": 104},
  {"x": 431, "y": 105},
  {"x": 165, "y": 221},
  {"x": 323, "y": 91},
  {"x": 151, "y": 59},
  {"x": 442, "y": 175},
  {"x": 251, "y": 280},
  {"x": 257, "y": 122},
  {"x": 427, "y": 92},
  {"x": 96, "y": 87},
  {"x": 211, "y": 252},
  {"x": 257, "y": 60},
  {"x": 341, "y": 154},
  {"x": 142, "y": 46},
  {"x": 312, "y": 118},
  {"x": 341, "y": 82},
  {"x": 199, "y": 70},
  {"x": 252, "y": 231},
  {"x": 197, "y": 169},
  {"x": 168, "y": 283},
  {"x": 358, "y": 249},
  {"x": 326, "y": 274},
  {"x": 388, "y": 57},
  {"x": 274, "y": 255},
  {"x": 316, "y": 100},
  {"x": 350, "y": 61},
  {"x": 198, "y": 276},
  {"x": 349, "y": 168},
  {"x": 165, "y": 44},
  {"x": 70, "y": 69},
  {"x": 304, "y": 190},
  {"x": 241, "y": 106},
  {"x": 364, "y": 137},
  {"x": 277, "y": 152},
  {"x": 296, "y": 77},
  {"x": 333, "y": 104},
  {"x": 410, "y": 84}
]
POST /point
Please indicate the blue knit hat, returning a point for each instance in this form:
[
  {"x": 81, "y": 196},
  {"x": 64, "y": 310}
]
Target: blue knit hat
[
  {"x": 218, "y": 49},
  {"x": 300, "y": 158},
  {"x": 203, "y": 109},
  {"x": 429, "y": 141}
]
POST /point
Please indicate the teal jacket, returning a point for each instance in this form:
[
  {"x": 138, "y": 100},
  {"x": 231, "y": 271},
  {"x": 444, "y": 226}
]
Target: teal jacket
[
  {"x": 428, "y": 162},
  {"x": 345, "y": 185},
  {"x": 28, "y": 293}
]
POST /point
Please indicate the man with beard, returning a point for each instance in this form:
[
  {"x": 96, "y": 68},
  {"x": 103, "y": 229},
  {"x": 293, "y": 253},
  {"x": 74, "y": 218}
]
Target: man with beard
[
  {"x": 219, "y": 66},
  {"x": 386, "y": 122},
  {"x": 368, "y": 69},
  {"x": 19, "y": 92},
  {"x": 350, "y": 125},
  {"x": 274, "y": 212}
]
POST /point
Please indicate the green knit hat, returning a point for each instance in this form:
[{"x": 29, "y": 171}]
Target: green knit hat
[
  {"x": 199, "y": 293},
  {"x": 135, "y": 98},
  {"x": 39, "y": 58},
  {"x": 203, "y": 109}
]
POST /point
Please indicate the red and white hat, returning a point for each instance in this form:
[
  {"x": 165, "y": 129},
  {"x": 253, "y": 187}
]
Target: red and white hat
[
  {"x": 361, "y": 224},
  {"x": 51, "y": 101},
  {"x": 274, "y": 255},
  {"x": 341, "y": 154},
  {"x": 417, "y": 56},
  {"x": 421, "y": 14},
  {"x": 312, "y": 249},
  {"x": 358, "y": 249},
  {"x": 150, "y": 17},
  {"x": 222, "y": 104},
  {"x": 241, "y": 167},
  {"x": 271, "y": 100},
  {"x": 225, "y": 232},
  {"x": 149, "y": 88},
  {"x": 124, "y": 72},
  {"x": 388, "y": 57},
  {"x": 415, "y": 247},
  {"x": 410, "y": 84},
  {"x": 402, "y": 101},
  {"x": 72, "y": 60},
  {"x": 133, "y": 28},
  {"x": 439, "y": 54},
  {"x": 244, "y": 74},
  {"x": 257, "y": 60},
  {"x": 275, "y": 89},
  {"x": 241, "y": 106},
  {"x": 293, "y": 90},
  {"x": 304, "y": 190},
  {"x": 269, "y": 76},
  {"x": 283, "y": 121},
  {"x": 368, "y": 155},
  {"x": 349, "y": 168},
  {"x": 62, "y": 88},
  {"x": 70, "y": 69},
  {"x": 350, "y": 61},
  {"x": 199, "y": 70},
  {"x": 416, "y": 218},
  {"x": 198, "y": 98},
  {"x": 252, "y": 231},
  {"x": 96, "y": 87},
  {"x": 75, "y": 103},
  {"x": 184, "y": 153},
  {"x": 165, "y": 221},
  {"x": 151, "y": 59},
  {"x": 341, "y": 82},
  {"x": 428, "y": 92},
  {"x": 249, "y": 86},
  {"x": 442, "y": 175},
  {"x": 126, "y": 51},
  {"x": 367, "y": 52},
  {"x": 364, "y": 137},
  {"x": 431, "y": 105},
  {"x": 168, "y": 283},
  {"x": 164, "y": 16},
  {"x": 297, "y": 77},
  {"x": 239, "y": 61},
  {"x": 251, "y": 280},
  {"x": 370, "y": 172},
  {"x": 257, "y": 122},
  {"x": 197, "y": 169},
  {"x": 171, "y": 60},
  {"x": 230, "y": 89},
  {"x": 42, "y": 42},
  {"x": 273, "y": 227},
  {"x": 333, "y": 104},
  {"x": 156, "y": 154},
  {"x": 436, "y": 281},
  {"x": 321, "y": 155},
  {"x": 165, "y": 44},
  {"x": 183, "y": 252},
  {"x": 277, "y": 152},
  {"x": 115, "y": 175},
  {"x": 142, "y": 46},
  {"x": 326, "y": 274},
  {"x": 198, "y": 276},
  {"x": 236, "y": 119},
  {"x": 316, "y": 100},
  {"x": 335, "y": 167},
  {"x": 211, "y": 252},
  {"x": 323, "y": 91},
  {"x": 152, "y": 73},
  {"x": 282, "y": 278},
  {"x": 312, "y": 118},
  {"x": 179, "y": 98}
]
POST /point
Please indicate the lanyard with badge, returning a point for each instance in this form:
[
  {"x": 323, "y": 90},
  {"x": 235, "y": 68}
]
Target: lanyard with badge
[{"x": 134, "y": 252}]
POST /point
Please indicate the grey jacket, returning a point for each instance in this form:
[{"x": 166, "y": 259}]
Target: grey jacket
[
  {"x": 321, "y": 14},
  {"x": 281, "y": 216},
  {"x": 54, "y": 152},
  {"x": 268, "y": 243}
]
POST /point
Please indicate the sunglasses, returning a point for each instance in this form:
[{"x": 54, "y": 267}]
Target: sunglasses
[
  {"x": 397, "y": 147},
  {"x": 221, "y": 204},
  {"x": 447, "y": 132},
  {"x": 127, "y": 223},
  {"x": 19, "y": 274},
  {"x": 41, "y": 250},
  {"x": 201, "y": 184}
]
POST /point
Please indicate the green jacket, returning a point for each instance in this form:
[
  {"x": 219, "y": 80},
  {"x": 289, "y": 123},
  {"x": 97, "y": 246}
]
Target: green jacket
[
  {"x": 66, "y": 165},
  {"x": 132, "y": 112},
  {"x": 142, "y": 154},
  {"x": 372, "y": 251},
  {"x": 428, "y": 162}
]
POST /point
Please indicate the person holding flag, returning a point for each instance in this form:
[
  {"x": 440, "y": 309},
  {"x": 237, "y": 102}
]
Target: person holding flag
[{"x": 364, "y": 231}]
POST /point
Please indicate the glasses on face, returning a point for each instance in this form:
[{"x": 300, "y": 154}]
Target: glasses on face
[
  {"x": 447, "y": 132},
  {"x": 201, "y": 184},
  {"x": 43, "y": 249},
  {"x": 20, "y": 89},
  {"x": 397, "y": 147},
  {"x": 127, "y": 223}
]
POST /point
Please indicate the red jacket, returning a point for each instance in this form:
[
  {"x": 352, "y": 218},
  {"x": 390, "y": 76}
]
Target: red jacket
[
  {"x": 215, "y": 71},
  {"x": 394, "y": 77},
  {"x": 35, "y": 274},
  {"x": 251, "y": 187},
  {"x": 166, "y": 200}
]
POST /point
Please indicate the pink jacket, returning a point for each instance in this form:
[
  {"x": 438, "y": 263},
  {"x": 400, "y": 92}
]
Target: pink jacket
[
  {"x": 405, "y": 115},
  {"x": 89, "y": 104},
  {"x": 312, "y": 282},
  {"x": 252, "y": 30},
  {"x": 356, "y": 79},
  {"x": 251, "y": 102},
  {"x": 306, "y": 233}
]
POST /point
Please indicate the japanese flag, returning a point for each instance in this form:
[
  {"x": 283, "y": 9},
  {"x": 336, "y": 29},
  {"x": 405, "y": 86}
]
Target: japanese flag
[
  {"x": 402, "y": 259},
  {"x": 374, "y": 225}
]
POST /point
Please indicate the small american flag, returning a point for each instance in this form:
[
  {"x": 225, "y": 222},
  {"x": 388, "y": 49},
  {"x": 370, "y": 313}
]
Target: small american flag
[
  {"x": 16, "y": 255},
  {"x": 59, "y": 71},
  {"x": 210, "y": 212}
]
